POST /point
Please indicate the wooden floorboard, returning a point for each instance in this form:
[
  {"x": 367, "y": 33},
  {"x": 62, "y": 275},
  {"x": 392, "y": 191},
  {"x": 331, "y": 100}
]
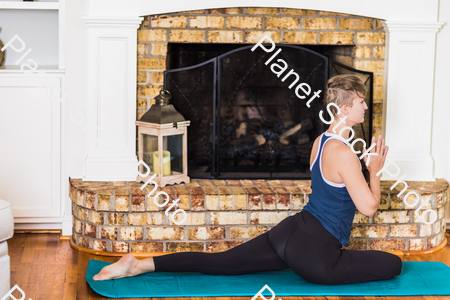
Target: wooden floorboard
[{"x": 46, "y": 268}]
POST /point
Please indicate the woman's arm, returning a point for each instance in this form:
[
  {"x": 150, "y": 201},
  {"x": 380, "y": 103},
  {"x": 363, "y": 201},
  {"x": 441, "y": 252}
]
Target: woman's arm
[{"x": 366, "y": 198}]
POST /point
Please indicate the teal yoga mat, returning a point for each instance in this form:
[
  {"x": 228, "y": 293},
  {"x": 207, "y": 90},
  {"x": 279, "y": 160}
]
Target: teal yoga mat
[{"x": 417, "y": 278}]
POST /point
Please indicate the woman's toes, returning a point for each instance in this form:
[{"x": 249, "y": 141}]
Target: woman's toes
[
  {"x": 125, "y": 267},
  {"x": 99, "y": 277},
  {"x": 103, "y": 275}
]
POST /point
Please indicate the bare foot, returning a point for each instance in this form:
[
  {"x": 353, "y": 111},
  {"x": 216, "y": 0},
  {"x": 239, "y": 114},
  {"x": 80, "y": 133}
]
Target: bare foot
[{"x": 127, "y": 266}]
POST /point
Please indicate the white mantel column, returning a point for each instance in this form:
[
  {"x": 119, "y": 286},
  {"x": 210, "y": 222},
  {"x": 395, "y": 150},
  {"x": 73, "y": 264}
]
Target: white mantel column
[
  {"x": 409, "y": 77},
  {"x": 111, "y": 103}
]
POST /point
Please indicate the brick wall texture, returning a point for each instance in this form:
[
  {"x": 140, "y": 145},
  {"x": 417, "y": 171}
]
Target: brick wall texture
[
  {"x": 364, "y": 38},
  {"x": 120, "y": 217}
]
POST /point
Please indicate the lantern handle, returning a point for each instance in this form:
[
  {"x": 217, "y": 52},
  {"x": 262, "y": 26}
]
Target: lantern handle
[{"x": 165, "y": 94}]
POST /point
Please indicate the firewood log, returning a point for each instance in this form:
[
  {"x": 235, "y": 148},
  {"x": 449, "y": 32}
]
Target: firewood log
[
  {"x": 254, "y": 125},
  {"x": 253, "y": 140},
  {"x": 288, "y": 124},
  {"x": 249, "y": 127},
  {"x": 241, "y": 130},
  {"x": 302, "y": 139},
  {"x": 291, "y": 134},
  {"x": 270, "y": 121}
]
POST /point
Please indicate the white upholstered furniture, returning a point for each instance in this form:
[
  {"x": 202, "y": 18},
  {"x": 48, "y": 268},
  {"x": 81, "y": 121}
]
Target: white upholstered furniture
[{"x": 6, "y": 232}]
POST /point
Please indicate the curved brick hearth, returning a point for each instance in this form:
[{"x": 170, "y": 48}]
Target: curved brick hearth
[{"x": 118, "y": 216}]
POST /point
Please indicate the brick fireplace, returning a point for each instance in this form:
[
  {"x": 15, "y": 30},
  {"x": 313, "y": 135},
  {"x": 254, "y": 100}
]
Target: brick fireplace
[
  {"x": 119, "y": 217},
  {"x": 116, "y": 216},
  {"x": 361, "y": 41}
]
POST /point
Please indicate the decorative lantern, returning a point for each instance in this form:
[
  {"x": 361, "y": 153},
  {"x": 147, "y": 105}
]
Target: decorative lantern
[{"x": 163, "y": 143}]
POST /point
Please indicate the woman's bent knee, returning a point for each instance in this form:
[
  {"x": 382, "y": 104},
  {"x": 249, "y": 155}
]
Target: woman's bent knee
[
  {"x": 397, "y": 265},
  {"x": 392, "y": 265}
]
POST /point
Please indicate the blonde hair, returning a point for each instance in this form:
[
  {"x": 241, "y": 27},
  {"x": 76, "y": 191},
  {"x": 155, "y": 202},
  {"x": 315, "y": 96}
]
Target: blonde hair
[{"x": 342, "y": 89}]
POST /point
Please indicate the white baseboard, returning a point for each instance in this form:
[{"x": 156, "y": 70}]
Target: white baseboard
[
  {"x": 37, "y": 226},
  {"x": 66, "y": 227}
]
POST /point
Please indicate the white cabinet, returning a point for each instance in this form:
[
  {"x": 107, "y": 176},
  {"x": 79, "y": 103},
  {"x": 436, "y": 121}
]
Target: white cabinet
[
  {"x": 30, "y": 146},
  {"x": 30, "y": 112}
]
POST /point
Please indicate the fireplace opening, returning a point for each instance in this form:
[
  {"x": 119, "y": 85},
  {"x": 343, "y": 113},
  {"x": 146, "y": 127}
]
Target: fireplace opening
[{"x": 246, "y": 122}]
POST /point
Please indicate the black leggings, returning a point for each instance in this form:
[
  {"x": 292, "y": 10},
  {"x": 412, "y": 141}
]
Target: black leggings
[{"x": 299, "y": 242}]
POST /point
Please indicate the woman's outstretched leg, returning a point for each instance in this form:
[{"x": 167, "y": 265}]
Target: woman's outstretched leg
[{"x": 255, "y": 255}]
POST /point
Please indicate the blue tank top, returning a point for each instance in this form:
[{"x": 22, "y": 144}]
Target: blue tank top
[{"x": 330, "y": 202}]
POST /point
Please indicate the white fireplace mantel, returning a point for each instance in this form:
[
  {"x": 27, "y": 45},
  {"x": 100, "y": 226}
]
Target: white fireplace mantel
[
  {"x": 408, "y": 101},
  {"x": 111, "y": 101},
  {"x": 411, "y": 28}
]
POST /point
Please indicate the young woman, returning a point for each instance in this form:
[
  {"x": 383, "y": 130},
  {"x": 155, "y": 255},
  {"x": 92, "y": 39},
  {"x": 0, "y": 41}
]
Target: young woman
[{"x": 310, "y": 241}]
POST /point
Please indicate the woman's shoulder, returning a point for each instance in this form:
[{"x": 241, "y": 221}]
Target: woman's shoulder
[
  {"x": 338, "y": 148},
  {"x": 314, "y": 149},
  {"x": 340, "y": 154},
  {"x": 334, "y": 145}
]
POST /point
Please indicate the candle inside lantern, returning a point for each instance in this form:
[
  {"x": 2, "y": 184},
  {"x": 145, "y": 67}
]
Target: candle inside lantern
[{"x": 166, "y": 163}]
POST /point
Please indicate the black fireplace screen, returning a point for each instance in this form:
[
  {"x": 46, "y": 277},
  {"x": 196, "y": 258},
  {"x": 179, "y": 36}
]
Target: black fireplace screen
[{"x": 247, "y": 122}]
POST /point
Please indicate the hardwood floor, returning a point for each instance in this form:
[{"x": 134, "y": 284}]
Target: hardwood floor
[{"x": 46, "y": 268}]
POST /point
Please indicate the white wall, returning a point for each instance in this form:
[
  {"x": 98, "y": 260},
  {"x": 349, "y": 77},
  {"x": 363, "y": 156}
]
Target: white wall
[
  {"x": 74, "y": 139},
  {"x": 441, "y": 109}
]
